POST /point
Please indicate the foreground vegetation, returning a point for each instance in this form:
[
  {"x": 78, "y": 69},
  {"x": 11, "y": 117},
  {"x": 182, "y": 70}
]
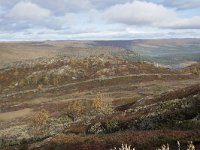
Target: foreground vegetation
[{"x": 99, "y": 103}]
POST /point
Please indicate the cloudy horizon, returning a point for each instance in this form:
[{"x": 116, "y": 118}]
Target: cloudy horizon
[{"x": 98, "y": 19}]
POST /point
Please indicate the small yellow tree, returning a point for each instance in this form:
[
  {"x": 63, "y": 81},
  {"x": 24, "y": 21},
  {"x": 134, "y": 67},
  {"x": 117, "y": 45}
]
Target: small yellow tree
[
  {"x": 40, "y": 118},
  {"x": 39, "y": 122},
  {"x": 76, "y": 107},
  {"x": 102, "y": 103},
  {"x": 97, "y": 103}
]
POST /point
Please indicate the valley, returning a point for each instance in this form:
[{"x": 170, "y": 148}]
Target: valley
[{"x": 97, "y": 102}]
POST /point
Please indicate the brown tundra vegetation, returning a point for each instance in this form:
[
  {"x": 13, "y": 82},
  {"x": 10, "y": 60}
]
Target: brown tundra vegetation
[{"x": 98, "y": 102}]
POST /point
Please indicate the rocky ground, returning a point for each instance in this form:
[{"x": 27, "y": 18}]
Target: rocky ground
[{"x": 97, "y": 102}]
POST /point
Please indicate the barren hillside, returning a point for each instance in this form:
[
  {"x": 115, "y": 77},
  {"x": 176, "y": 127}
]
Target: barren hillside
[{"x": 97, "y": 102}]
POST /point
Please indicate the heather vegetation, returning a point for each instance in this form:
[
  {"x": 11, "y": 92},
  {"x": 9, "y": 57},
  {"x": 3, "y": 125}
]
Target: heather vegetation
[{"x": 99, "y": 102}]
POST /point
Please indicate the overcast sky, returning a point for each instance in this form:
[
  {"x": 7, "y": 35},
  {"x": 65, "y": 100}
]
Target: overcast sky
[{"x": 98, "y": 19}]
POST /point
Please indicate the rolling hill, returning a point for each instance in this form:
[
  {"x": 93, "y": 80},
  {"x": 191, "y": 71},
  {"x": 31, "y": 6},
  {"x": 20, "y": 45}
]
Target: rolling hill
[{"x": 164, "y": 51}]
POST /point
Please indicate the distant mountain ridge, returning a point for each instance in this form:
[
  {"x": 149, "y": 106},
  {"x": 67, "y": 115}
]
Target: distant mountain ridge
[{"x": 163, "y": 51}]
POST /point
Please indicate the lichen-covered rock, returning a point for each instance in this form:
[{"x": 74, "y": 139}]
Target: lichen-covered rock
[{"x": 96, "y": 128}]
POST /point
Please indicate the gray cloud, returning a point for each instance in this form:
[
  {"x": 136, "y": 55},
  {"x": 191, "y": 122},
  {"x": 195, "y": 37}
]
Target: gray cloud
[
  {"x": 139, "y": 13},
  {"x": 103, "y": 4},
  {"x": 178, "y": 4},
  {"x": 183, "y": 23},
  {"x": 149, "y": 14},
  {"x": 8, "y": 3},
  {"x": 182, "y": 4},
  {"x": 64, "y": 6},
  {"x": 84, "y": 19},
  {"x": 28, "y": 10}
]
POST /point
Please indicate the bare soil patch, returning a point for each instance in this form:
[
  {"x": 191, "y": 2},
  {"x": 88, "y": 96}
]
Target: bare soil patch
[{"x": 15, "y": 114}]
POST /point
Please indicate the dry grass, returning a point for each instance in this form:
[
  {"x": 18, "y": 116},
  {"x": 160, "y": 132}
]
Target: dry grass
[
  {"x": 15, "y": 114},
  {"x": 124, "y": 147},
  {"x": 190, "y": 146}
]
